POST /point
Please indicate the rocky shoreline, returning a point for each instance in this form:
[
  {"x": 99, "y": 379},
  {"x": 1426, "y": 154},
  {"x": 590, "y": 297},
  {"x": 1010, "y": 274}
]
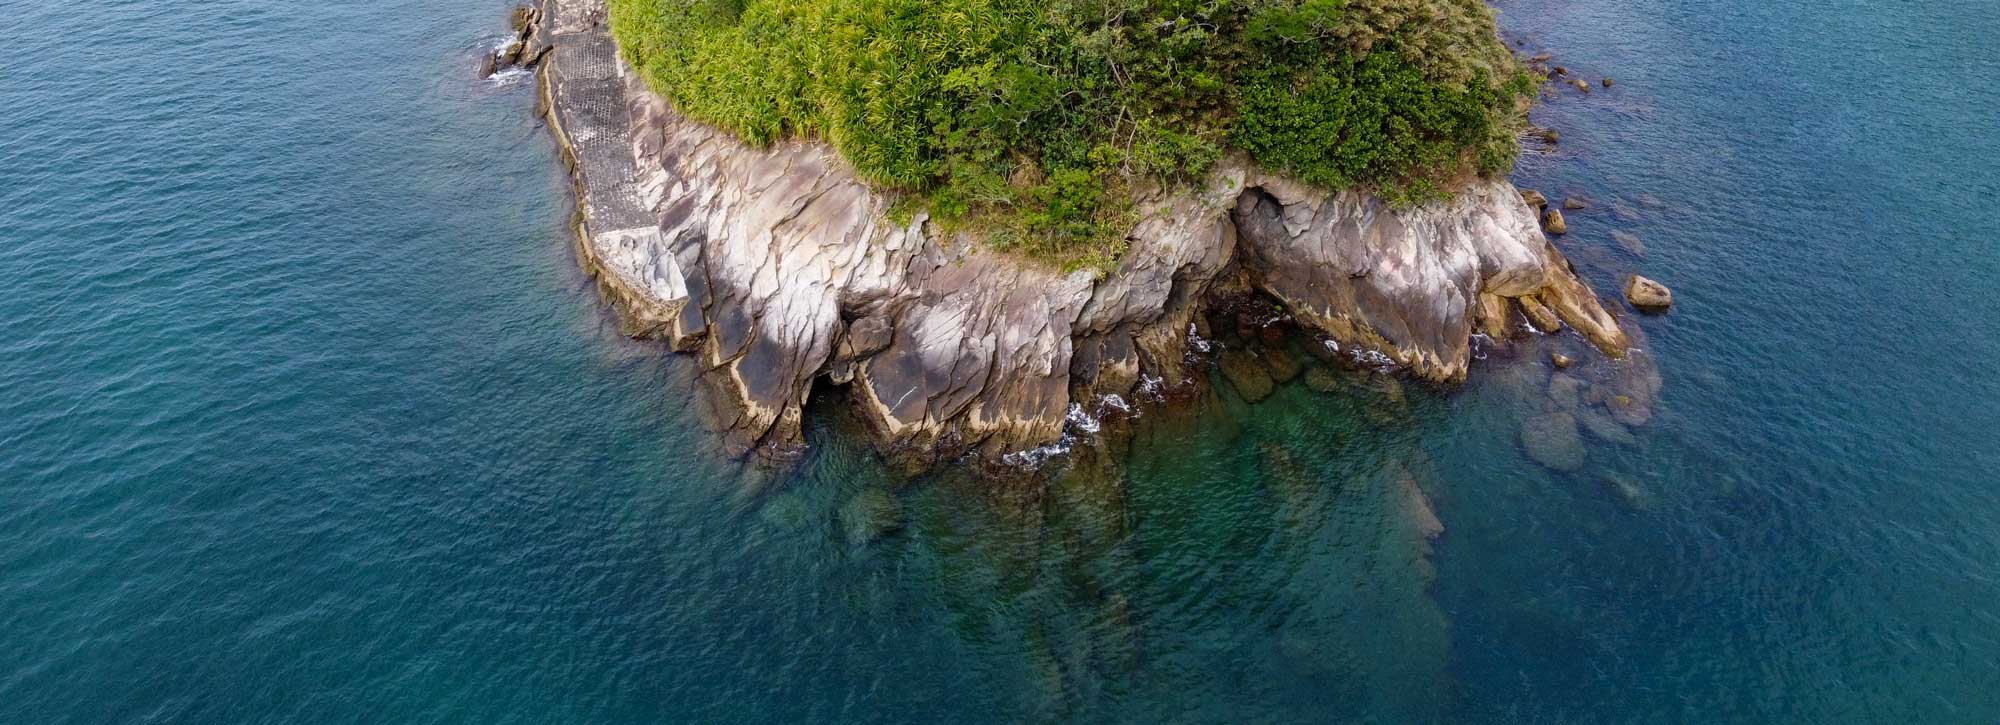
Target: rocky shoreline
[{"x": 779, "y": 269}]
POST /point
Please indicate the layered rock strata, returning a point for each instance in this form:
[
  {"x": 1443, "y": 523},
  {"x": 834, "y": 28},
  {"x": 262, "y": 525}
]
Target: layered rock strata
[{"x": 779, "y": 268}]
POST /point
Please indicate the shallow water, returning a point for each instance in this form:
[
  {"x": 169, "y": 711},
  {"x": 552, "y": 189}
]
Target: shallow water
[{"x": 306, "y": 412}]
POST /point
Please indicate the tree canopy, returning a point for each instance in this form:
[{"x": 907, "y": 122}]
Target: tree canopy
[{"x": 1030, "y": 122}]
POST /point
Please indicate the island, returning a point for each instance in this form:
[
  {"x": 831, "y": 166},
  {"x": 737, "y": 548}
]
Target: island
[{"x": 991, "y": 220}]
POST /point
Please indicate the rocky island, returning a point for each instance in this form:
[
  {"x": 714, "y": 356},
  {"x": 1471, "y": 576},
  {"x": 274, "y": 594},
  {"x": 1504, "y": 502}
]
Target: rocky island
[{"x": 984, "y": 301}]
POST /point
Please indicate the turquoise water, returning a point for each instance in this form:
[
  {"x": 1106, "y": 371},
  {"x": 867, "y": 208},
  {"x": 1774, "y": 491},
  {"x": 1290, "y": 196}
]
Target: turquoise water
[{"x": 307, "y": 413}]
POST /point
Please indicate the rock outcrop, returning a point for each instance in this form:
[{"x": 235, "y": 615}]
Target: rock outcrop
[{"x": 779, "y": 269}]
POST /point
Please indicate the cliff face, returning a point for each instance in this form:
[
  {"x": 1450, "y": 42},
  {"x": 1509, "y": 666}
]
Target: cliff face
[{"x": 778, "y": 267}]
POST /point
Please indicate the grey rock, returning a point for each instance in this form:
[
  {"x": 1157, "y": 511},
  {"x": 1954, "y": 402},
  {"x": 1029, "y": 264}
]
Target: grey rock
[
  {"x": 1647, "y": 295},
  {"x": 1552, "y": 440}
]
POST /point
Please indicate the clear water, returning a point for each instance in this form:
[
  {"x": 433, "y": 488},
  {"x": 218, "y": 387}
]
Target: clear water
[{"x": 306, "y": 413}]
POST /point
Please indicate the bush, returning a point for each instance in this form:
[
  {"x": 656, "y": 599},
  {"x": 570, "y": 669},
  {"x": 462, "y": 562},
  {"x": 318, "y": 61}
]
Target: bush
[{"x": 1030, "y": 121}]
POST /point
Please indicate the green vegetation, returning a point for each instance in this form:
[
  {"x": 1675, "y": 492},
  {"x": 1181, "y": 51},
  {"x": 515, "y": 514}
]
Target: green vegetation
[{"x": 1032, "y": 122}]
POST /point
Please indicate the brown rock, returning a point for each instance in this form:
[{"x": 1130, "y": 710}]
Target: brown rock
[
  {"x": 523, "y": 17},
  {"x": 1575, "y": 202},
  {"x": 1607, "y": 81},
  {"x": 1547, "y": 135},
  {"x": 1561, "y": 71},
  {"x": 1581, "y": 85},
  {"x": 1647, "y": 295},
  {"x": 1539, "y": 315},
  {"x": 1282, "y": 365},
  {"x": 1246, "y": 373},
  {"x": 1322, "y": 379},
  {"x": 1561, "y": 361},
  {"x": 1553, "y": 223},
  {"x": 1541, "y": 58},
  {"x": 1534, "y": 198}
]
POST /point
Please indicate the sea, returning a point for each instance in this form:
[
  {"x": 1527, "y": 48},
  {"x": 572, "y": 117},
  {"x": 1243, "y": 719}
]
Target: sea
[{"x": 308, "y": 414}]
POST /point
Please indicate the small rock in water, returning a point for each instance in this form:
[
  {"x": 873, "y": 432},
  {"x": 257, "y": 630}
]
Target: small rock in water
[
  {"x": 1246, "y": 373},
  {"x": 1607, "y": 81},
  {"x": 1561, "y": 361},
  {"x": 1553, "y": 441},
  {"x": 1575, "y": 202},
  {"x": 1541, "y": 58},
  {"x": 488, "y": 65},
  {"x": 1647, "y": 295},
  {"x": 1547, "y": 135},
  {"x": 1322, "y": 380},
  {"x": 1534, "y": 198},
  {"x": 1561, "y": 71},
  {"x": 1553, "y": 223},
  {"x": 1581, "y": 85},
  {"x": 870, "y": 515},
  {"x": 1629, "y": 242}
]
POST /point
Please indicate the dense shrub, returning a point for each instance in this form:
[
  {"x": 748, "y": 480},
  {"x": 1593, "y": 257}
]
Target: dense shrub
[{"x": 1030, "y": 121}]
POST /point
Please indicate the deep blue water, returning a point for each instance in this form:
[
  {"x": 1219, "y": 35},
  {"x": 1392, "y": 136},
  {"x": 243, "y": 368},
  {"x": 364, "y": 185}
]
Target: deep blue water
[{"x": 306, "y": 413}]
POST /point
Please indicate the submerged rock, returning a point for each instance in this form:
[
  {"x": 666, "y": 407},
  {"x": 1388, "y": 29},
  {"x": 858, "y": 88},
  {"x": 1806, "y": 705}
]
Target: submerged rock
[
  {"x": 1629, "y": 492},
  {"x": 1419, "y": 507},
  {"x": 1573, "y": 203},
  {"x": 1281, "y": 364},
  {"x": 871, "y": 514},
  {"x": 1552, "y": 440},
  {"x": 1629, "y": 242},
  {"x": 1322, "y": 379},
  {"x": 1603, "y": 427},
  {"x": 1566, "y": 391},
  {"x": 1246, "y": 374},
  {"x": 1647, "y": 295}
]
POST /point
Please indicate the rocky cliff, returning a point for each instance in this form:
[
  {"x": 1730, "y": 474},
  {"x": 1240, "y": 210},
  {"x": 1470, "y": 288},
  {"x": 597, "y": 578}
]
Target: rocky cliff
[{"x": 780, "y": 269}]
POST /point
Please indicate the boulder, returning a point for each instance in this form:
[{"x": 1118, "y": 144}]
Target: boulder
[
  {"x": 1541, "y": 58},
  {"x": 1247, "y": 374},
  {"x": 523, "y": 17},
  {"x": 488, "y": 65},
  {"x": 1547, "y": 135},
  {"x": 1561, "y": 71},
  {"x": 1561, "y": 361},
  {"x": 1581, "y": 85},
  {"x": 1647, "y": 295},
  {"x": 1534, "y": 198},
  {"x": 1552, "y": 440},
  {"x": 1553, "y": 223},
  {"x": 1607, "y": 81},
  {"x": 1574, "y": 203}
]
